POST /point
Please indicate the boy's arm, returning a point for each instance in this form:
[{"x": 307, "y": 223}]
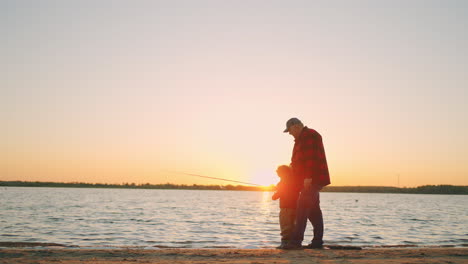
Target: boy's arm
[{"x": 277, "y": 194}]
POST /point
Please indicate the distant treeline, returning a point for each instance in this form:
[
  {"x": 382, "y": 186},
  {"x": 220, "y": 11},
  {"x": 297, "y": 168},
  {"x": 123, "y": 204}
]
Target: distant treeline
[
  {"x": 168, "y": 186},
  {"x": 426, "y": 189}
]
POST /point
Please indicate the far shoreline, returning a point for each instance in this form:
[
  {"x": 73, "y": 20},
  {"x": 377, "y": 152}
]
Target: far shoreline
[{"x": 425, "y": 189}]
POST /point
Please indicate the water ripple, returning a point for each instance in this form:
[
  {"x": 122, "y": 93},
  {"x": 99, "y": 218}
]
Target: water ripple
[{"x": 208, "y": 219}]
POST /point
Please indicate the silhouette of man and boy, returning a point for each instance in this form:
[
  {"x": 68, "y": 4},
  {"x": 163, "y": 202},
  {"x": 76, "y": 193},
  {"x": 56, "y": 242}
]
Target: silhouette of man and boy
[{"x": 299, "y": 187}]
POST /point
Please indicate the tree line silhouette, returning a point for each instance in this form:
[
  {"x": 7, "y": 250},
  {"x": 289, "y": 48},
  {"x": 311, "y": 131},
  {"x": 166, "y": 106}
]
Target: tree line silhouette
[{"x": 426, "y": 189}]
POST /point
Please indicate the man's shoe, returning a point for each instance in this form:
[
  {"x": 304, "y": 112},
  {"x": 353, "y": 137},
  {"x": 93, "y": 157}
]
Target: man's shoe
[
  {"x": 292, "y": 246},
  {"x": 314, "y": 246}
]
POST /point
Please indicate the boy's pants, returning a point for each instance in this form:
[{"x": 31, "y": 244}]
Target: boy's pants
[{"x": 287, "y": 217}]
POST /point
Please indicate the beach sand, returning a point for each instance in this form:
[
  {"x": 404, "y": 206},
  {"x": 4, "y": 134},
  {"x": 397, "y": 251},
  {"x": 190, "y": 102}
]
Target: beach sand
[{"x": 251, "y": 256}]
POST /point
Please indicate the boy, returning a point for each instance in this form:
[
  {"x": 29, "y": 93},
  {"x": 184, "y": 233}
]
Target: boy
[{"x": 287, "y": 191}]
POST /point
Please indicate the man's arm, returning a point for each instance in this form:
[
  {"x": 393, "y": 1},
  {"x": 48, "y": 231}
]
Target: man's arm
[{"x": 311, "y": 160}]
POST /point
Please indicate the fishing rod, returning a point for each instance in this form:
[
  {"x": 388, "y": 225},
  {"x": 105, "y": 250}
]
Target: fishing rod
[{"x": 221, "y": 179}]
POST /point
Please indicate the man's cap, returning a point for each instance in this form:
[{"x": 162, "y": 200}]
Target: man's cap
[{"x": 291, "y": 122}]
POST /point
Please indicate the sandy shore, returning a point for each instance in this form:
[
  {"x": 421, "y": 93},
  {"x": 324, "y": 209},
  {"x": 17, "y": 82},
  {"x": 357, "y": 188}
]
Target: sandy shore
[{"x": 252, "y": 256}]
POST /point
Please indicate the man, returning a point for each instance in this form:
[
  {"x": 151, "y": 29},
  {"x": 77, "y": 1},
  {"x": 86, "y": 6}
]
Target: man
[{"x": 310, "y": 167}]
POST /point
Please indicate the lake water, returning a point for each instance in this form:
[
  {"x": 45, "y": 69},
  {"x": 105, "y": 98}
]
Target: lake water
[{"x": 239, "y": 219}]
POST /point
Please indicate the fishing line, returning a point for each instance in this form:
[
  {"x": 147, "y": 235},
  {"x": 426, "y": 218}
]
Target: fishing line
[{"x": 208, "y": 177}]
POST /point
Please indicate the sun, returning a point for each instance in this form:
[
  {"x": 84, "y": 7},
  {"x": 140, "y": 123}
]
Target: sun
[{"x": 264, "y": 178}]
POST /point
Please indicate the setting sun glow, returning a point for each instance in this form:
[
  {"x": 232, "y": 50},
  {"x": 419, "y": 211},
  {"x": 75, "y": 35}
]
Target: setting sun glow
[{"x": 265, "y": 178}]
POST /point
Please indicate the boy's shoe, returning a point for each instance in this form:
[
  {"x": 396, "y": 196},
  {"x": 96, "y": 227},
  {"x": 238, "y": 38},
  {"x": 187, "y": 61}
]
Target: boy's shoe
[
  {"x": 292, "y": 246},
  {"x": 283, "y": 244},
  {"x": 314, "y": 246}
]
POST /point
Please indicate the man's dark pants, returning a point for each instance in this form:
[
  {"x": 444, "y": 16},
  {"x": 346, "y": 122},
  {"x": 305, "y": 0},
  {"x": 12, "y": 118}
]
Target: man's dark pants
[{"x": 308, "y": 207}]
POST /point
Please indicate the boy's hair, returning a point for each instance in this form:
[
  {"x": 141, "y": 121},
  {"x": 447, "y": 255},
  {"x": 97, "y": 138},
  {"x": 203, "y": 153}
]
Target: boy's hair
[{"x": 283, "y": 171}]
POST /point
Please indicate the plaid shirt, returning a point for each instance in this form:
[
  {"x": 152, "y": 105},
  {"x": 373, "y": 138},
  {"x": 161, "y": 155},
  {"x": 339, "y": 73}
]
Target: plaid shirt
[{"x": 308, "y": 158}]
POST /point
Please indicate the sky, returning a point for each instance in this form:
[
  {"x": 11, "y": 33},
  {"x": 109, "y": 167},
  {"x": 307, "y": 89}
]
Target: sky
[{"x": 144, "y": 91}]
